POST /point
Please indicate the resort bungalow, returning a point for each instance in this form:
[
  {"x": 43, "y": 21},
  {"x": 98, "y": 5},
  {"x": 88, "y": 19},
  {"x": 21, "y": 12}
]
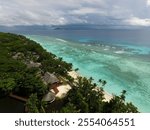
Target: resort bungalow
[
  {"x": 32, "y": 64},
  {"x": 17, "y": 56},
  {"x": 52, "y": 81},
  {"x": 49, "y": 97}
]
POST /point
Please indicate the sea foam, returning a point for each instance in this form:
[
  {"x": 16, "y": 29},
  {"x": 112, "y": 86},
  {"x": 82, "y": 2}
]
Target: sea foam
[{"x": 58, "y": 39}]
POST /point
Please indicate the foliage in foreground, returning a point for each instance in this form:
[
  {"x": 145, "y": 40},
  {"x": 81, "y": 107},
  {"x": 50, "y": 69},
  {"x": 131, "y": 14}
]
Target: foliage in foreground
[
  {"x": 85, "y": 98},
  {"x": 35, "y": 105}
]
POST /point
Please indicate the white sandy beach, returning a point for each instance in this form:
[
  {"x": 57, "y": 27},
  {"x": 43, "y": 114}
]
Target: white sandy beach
[
  {"x": 74, "y": 74},
  {"x": 63, "y": 90},
  {"x": 107, "y": 95}
]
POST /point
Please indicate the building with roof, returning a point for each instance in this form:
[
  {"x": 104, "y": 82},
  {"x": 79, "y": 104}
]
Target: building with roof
[
  {"x": 52, "y": 81},
  {"x": 49, "y": 97},
  {"x": 49, "y": 78},
  {"x": 32, "y": 64}
]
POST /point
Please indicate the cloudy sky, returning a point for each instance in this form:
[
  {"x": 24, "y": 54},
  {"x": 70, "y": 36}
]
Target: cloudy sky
[{"x": 60, "y": 12}]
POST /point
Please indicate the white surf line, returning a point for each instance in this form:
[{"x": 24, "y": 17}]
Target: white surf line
[{"x": 60, "y": 40}]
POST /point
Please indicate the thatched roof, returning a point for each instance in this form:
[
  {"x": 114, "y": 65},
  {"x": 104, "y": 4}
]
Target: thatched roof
[
  {"x": 50, "y": 78},
  {"x": 49, "y": 97},
  {"x": 18, "y": 55},
  {"x": 33, "y": 64}
]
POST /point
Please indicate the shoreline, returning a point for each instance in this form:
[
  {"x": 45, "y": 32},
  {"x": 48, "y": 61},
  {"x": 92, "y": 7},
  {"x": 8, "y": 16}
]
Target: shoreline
[{"x": 107, "y": 95}]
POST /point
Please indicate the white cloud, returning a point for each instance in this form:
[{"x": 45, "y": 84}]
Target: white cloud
[
  {"x": 47, "y": 12},
  {"x": 84, "y": 11},
  {"x": 62, "y": 20},
  {"x": 138, "y": 22},
  {"x": 148, "y": 2}
]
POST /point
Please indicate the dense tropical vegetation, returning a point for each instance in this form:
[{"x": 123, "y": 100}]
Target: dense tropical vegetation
[
  {"x": 85, "y": 97},
  {"x": 18, "y": 77},
  {"x": 15, "y": 76}
]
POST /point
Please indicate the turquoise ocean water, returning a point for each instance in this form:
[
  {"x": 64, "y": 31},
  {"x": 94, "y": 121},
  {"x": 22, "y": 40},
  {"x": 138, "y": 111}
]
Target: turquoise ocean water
[{"x": 124, "y": 66}]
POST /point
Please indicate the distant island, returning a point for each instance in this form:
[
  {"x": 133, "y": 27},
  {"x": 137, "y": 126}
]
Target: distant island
[{"x": 42, "y": 82}]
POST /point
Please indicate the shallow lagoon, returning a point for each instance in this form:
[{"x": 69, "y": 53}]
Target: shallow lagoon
[{"x": 124, "y": 67}]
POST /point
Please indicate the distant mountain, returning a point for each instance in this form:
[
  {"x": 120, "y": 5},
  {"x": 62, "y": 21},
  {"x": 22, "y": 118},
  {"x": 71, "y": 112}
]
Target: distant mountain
[
  {"x": 93, "y": 27},
  {"x": 24, "y": 29},
  {"x": 45, "y": 29}
]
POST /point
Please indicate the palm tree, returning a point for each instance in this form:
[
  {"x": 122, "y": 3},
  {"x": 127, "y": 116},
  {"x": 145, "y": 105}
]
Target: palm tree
[
  {"x": 100, "y": 80},
  {"x": 122, "y": 96},
  {"x": 104, "y": 82}
]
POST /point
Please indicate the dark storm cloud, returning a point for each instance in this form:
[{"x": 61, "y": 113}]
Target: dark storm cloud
[{"x": 58, "y": 12}]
